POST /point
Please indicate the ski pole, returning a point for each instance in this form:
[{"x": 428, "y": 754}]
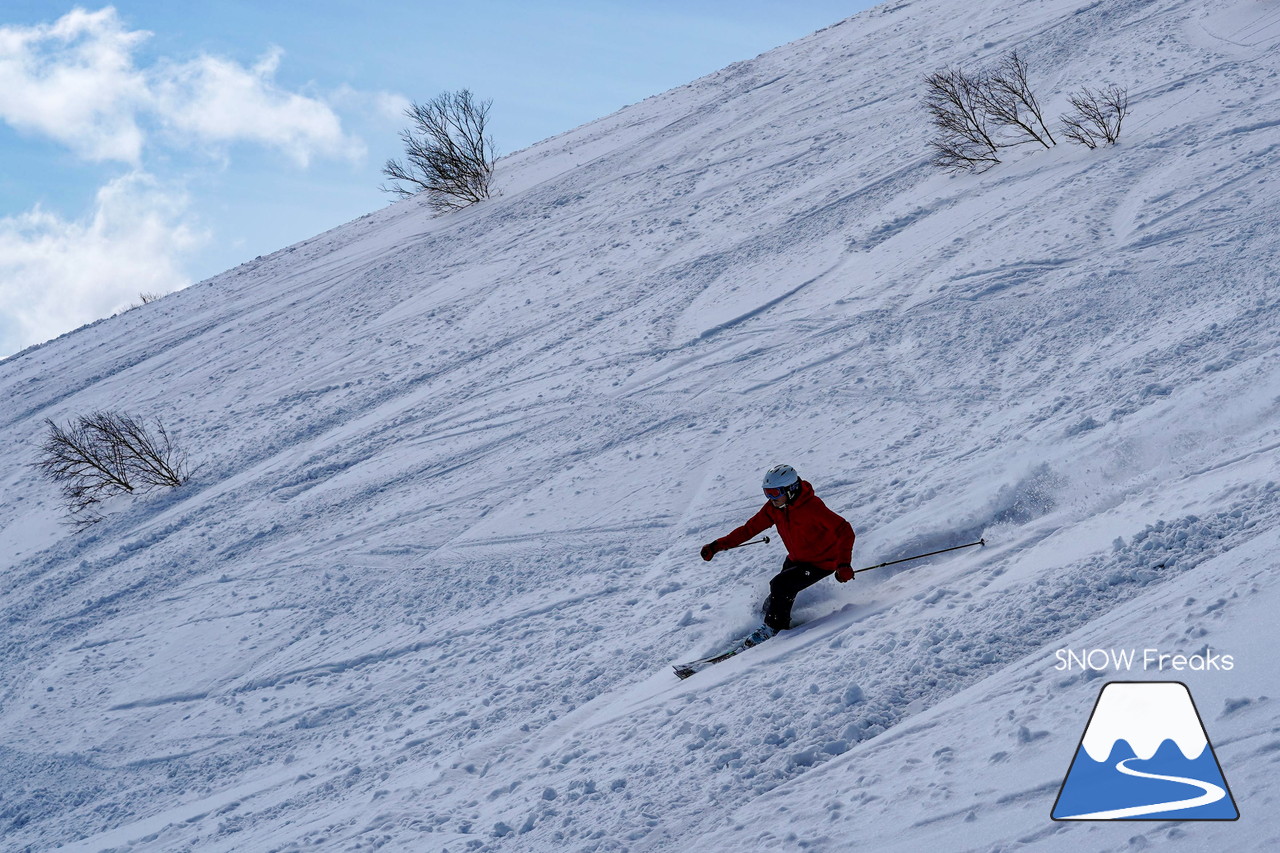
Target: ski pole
[
  {"x": 762, "y": 539},
  {"x": 922, "y": 556}
]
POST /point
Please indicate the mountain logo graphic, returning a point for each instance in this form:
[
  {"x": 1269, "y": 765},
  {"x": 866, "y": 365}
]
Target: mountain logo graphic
[{"x": 1145, "y": 755}]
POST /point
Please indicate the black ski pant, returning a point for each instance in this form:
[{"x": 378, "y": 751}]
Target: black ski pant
[{"x": 783, "y": 589}]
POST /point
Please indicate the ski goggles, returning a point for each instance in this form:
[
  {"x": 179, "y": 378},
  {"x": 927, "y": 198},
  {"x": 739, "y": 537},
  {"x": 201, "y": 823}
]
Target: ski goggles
[{"x": 775, "y": 494}]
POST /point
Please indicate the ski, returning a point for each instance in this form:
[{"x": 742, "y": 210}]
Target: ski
[
  {"x": 684, "y": 670},
  {"x": 755, "y": 638}
]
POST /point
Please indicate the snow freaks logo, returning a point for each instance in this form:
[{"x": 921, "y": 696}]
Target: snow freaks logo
[
  {"x": 1145, "y": 756},
  {"x": 1207, "y": 660}
]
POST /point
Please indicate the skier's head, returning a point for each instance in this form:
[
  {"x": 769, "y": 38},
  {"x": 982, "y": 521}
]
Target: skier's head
[{"x": 781, "y": 485}]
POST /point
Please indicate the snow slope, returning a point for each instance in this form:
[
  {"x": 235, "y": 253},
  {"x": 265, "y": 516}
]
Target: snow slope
[{"x": 425, "y": 588}]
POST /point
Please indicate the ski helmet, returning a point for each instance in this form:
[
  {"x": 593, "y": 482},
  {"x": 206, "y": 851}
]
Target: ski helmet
[{"x": 781, "y": 480}]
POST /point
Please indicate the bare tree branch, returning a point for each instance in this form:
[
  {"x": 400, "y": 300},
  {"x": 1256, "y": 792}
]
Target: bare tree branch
[
  {"x": 956, "y": 105},
  {"x": 977, "y": 114},
  {"x": 1097, "y": 117},
  {"x": 1009, "y": 102},
  {"x": 104, "y": 454},
  {"x": 448, "y": 153}
]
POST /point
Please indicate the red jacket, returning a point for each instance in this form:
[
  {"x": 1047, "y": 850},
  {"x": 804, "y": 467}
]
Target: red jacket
[{"x": 811, "y": 532}]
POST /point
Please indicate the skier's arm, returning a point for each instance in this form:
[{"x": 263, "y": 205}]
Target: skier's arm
[
  {"x": 844, "y": 550},
  {"x": 755, "y": 525},
  {"x": 844, "y": 542}
]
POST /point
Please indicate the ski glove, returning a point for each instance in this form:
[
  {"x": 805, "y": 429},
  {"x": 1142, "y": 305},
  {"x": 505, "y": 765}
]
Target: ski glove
[
  {"x": 710, "y": 550},
  {"x": 844, "y": 572}
]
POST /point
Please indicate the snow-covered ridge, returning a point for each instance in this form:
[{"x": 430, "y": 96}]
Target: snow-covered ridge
[{"x": 426, "y": 588}]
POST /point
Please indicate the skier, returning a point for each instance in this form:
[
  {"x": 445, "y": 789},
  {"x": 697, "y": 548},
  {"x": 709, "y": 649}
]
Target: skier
[{"x": 819, "y": 543}]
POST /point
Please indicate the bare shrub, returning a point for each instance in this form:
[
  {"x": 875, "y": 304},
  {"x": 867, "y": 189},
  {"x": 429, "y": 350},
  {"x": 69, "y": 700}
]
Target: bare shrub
[
  {"x": 1012, "y": 104},
  {"x": 448, "y": 153},
  {"x": 978, "y": 114},
  {"x": 98, "y": 456},
  {"x": 957, "y": 105},
  {"x": 144, "y": 298},
  {"x": 1096, "y": 116}
]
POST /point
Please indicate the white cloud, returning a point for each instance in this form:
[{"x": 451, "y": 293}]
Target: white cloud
[
  {"x": 76, "y": 81},
  {"x": 56, "y": 274},
  {"x": 392, "y": 106},
  {"x": 217, "y": 101},
  {"x": 381, "y": 107}
]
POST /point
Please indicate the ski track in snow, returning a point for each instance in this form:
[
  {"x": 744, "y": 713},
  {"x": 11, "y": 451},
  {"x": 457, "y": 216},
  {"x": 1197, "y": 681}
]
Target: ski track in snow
[{"x": 441, "y": 549}]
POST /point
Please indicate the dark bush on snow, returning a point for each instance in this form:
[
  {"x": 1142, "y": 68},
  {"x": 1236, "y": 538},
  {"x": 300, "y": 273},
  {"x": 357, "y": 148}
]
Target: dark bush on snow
[
  {"x": 448, "y": 153},
  {"x": 975, "y": 115},
  {"x": 1096, "y": 116},
  {"x": 98, "y": 456}
]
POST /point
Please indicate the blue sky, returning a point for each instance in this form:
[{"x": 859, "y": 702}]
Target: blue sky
[{"x": 146, "y": 146}]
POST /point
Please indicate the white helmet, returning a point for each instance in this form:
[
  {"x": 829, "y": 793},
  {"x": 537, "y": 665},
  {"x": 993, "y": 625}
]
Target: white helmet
[{"x": 780, "y": 480}]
